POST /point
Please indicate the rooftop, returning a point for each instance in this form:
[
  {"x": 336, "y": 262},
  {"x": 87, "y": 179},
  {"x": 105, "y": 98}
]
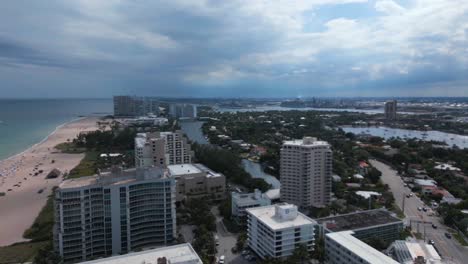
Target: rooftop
[
  {"x": 305, "y": 142},
  {"x": 178, "y": 254},
  {"x": 358, "y": 220},
  {"x": 114, "y": 177},
  {"x": 357, "y": 247},
  {"x": 250, "y": 198},
  {"x": 288, "y": 218},
  {"x": 191, "y": 168}
]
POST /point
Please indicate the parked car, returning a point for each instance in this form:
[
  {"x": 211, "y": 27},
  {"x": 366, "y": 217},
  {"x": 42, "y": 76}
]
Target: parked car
[
  {"x": 245, "y": 252},
  {"x": 221, "y": 260},
  {"x": 434, "y": 226},
  {"x": 424, "y": 209},
  {"x": 431, "y": 242},
  {"x": 419, "y": 208},
  {"x": 448, "y": 235}
]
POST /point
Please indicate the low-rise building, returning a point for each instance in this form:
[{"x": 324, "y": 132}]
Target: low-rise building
[
  {"x": 241, "y": 201},
  {"x": 178, "y": 254},
  {"x": 344, "y": 247},
  {"x": 274, "y": 231},
  {"x": 408, "y": 252},
  {"x": 378, "y": 223},
  {"x": 196, "y": 180}
]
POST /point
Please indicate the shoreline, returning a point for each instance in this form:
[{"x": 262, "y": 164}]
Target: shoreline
[
  {"x": 23, "y": 178},
  {"x": 42, "y": 141}
]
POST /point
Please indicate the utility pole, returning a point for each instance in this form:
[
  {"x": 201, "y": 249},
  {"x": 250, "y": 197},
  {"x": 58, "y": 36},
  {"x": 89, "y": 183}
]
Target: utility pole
[{"x": 403, "y": 204}]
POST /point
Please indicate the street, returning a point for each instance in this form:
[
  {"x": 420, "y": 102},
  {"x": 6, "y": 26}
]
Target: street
[{"x": 421, "y": 221}]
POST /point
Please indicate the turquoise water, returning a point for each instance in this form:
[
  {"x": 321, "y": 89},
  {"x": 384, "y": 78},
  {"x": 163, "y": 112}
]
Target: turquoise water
[{"x": 25, "y": 122}]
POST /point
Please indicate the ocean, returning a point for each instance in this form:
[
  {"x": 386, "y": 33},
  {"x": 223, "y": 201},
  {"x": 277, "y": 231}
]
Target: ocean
[{"x": 25, "y": 122}]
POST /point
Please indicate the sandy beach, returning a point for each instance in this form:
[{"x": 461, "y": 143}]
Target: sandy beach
[{"x": 24, "y": 198}]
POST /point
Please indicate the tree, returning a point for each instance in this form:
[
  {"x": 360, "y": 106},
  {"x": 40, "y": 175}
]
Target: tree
[
  {"x": 47, "y": 255},
  {"x": 319, "y": 250},
  {"x": 300, "y": 255},
  {"x": 374, "y": 175}
]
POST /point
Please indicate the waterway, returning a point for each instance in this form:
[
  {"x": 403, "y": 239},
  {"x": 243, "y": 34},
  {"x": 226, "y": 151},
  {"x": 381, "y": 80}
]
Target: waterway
[
  {"x": 386, "y": 133},
  {"x": 194, "y": 132}
]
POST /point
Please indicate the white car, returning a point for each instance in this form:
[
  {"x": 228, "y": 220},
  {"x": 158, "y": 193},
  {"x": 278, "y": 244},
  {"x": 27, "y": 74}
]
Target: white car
[{"x": 221, "y": 260}]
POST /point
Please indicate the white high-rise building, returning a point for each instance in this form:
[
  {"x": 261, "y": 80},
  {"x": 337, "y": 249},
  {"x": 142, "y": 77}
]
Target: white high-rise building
[
  {"x": 276, "y": 230},
  {"x": 162, "y": 149},
  {"x": 306, "y": 172},
  {"x": 114, "y": 213}
]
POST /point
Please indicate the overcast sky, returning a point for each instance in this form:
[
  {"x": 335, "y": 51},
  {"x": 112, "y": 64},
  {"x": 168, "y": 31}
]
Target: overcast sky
[{"x": 235, "y": 48}]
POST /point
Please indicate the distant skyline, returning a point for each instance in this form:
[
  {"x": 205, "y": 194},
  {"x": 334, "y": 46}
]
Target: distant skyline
[{"x": 236, "y": 48}]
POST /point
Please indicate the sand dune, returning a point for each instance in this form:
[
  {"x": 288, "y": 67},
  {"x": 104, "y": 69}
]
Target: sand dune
[{"x": 22, "y": 202}]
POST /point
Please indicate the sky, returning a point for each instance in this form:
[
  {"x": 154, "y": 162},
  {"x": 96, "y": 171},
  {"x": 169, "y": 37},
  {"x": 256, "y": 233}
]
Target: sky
[{"x": 235, "y": 48}]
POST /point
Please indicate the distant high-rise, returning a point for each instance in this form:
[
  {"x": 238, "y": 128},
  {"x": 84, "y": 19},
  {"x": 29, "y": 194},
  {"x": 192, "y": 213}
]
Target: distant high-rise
[
  {"x": 391, "y": 110},
  {"x": 162, "y": 149},
  {"x": 183, "y": 110},
  {"x": 306, "y": 172},
  {"x": 131, "y": 106},
  {"x": 114, "y": 213}
]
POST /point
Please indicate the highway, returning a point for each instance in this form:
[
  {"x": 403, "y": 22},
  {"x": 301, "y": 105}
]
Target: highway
[{"x": 449, "y": 249}]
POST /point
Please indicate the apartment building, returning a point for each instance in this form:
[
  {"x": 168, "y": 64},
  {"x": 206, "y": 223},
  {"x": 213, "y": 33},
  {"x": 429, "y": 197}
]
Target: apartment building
[
  {"x": 391, "y": 110},
  {"x": 177, "y": 254},
  {"x": 114, "y": 213},
  {"x": 183, "y": 110},
  {"x": 276, "y": 230},
  {"x": 242, "y": 201},
  {"x": 306, "y": 172},
  {"x": 131, "y": 106},
  {"x": 162, "y": 149},
  {"x": 196, "y": 181},
  {"x": 343, "y": 247}
]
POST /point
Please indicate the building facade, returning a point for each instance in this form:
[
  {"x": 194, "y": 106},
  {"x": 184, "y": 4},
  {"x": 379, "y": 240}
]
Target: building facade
[
  {"x": 131, "y": 106},
  {"x": 242, "y": 201},
  {"x": 114, "y": 213},
  {"x": 183, "y": 110},
  {"x": 391, "y": 110},
  {"x": 276, "y": 230},
  {"x": 197, "y": 181},
  {"x": 162, "y": 149},
  {"x": 343, "y": 247},
  {"x": 177, "y": 254},
  {"x": 306, "y": 172}
]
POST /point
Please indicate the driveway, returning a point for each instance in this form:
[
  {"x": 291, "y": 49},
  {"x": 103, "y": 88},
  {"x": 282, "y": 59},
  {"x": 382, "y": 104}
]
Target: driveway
[{"x": 421, "y": 221}]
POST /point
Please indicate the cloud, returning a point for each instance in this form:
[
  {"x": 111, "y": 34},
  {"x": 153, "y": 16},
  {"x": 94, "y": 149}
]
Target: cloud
[{"x": 215, "y": 47}]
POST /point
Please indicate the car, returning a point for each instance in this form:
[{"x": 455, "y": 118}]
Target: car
[
  {"x": 244, "y": 252},
  {"x": 431, "y": 242},
  {"x": 448, "y": 235},
  {"x": 424, "y": 209},
  {"x": 221, "y": 260},
  {"x": 419, "y": 208},
  {"x": 408, "y": 196},
  {"x": 434, "y": 226},
  {"x": 411, "y": 194}
]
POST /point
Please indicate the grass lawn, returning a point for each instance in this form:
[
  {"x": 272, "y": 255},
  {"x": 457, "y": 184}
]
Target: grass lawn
[
  {"x": 71, "y": 148},
  {"x": 20, "y": 252},
  {"x": 87, "y": 166}
]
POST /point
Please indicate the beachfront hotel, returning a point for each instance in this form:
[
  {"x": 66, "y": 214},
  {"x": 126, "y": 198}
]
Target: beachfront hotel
[
  {"x": 114, "y": 213},
  {"x": 161, "y": 149},
  {"x": 276, "y": 230},
  {"x": 306, "y": 172}
]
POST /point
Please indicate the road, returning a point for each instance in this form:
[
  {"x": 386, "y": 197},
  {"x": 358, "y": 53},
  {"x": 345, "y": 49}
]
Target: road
[
  {"x": 449, "y": 249},
  {"x": 227, "y": 241}
]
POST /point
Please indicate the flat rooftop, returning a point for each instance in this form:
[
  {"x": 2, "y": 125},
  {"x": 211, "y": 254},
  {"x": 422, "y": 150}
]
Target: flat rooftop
[
  {"x": 191, "y": 168},
  {"x": 359, "y": 248},
  {"x": 358, "y": 220},
  {"x": 267, "y": 215},
  {"x": 114, "y": 177},
  {"x": 306, "y": 142},
  {"x": 243, "y": 199},
  {"x": 178, "y": 254}
]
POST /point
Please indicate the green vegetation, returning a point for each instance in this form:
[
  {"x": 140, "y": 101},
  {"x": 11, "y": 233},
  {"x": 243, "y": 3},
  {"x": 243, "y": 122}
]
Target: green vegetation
[
  {"x": 228, "y": 163},
  {"x": 41, "y": 230},
  {"x": 199, "y": 215},
  {"x": 460, "y": 239},
  {"x": 86, "y": 167},
  {"x": 70, "y": 147},
  {"x": 20, "y": 252}
]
